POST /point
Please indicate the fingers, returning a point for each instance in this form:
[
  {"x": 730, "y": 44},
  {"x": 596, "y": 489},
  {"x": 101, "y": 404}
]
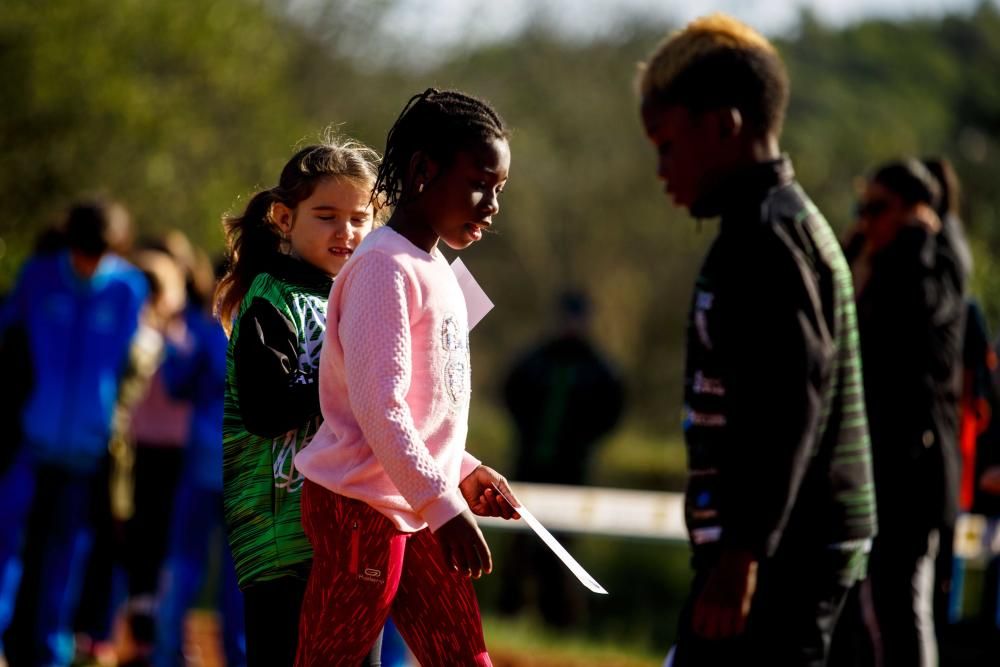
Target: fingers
[
  {"x": 463, "y": 547},
  {"x": 507, "y": 502},
  {"x": 739, "y": 624},
  {"x": 703, "y": 619},
  {"x": 492, "y": 504},
  {"x": 447, "y": 554},
  {"x": 713, "y": 622},
  {"x": 477, "y": 559},
  {"x": 504, "y": 488}
]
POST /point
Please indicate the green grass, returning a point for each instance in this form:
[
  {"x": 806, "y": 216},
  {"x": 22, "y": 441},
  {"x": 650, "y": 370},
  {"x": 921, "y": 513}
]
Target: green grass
[{"x": 526, "y": 642}]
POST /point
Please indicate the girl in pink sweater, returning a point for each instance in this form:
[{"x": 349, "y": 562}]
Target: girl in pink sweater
[{"x": 389, "y": 461}]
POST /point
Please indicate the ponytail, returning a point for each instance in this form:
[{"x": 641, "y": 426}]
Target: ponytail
[
  {"x": 252, "y": 242},
  {"x": 947, "y": 179},
  {"x": 252, "y": 239}
]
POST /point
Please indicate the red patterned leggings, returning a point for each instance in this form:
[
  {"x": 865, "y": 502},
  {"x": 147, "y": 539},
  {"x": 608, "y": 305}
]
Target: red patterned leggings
[{"x": 364, "y": 570}]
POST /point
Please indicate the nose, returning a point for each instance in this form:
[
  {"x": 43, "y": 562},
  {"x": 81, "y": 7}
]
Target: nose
[
  {"x": 341, "y": 231},
  {"x": 491, "y": 203},
  {"x": 662, "y": 166}
]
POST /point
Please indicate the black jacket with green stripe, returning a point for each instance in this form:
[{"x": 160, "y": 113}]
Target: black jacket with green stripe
[
  {"x": 777, "y": 438},
  {"x": 271, "y": 412}
]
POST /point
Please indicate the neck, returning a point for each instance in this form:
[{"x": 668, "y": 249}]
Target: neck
[
  {"x": 761, "y": 149},
  {"x": 85, "y": 266},
  {"x": 413, "y": 225}
]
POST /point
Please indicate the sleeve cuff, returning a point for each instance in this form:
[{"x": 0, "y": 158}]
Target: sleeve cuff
[
  {"x": 469, "y": 463},
  {"x": 443, "y": 509}
]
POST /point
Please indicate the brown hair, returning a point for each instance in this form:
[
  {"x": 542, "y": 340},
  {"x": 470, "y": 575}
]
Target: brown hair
[{"x": 252, "y": 239}]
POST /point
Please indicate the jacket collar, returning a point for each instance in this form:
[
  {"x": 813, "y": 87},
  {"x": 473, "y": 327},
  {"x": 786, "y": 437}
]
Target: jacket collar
[
  {"x": 747, "y": 189},
  {"x": 294, "y": 270}
]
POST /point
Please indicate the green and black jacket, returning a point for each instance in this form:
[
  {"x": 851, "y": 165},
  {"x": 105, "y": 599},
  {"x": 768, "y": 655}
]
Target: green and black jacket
[
  {"x": 775, "y": 426},
  {"x": 271, "y": 413}
]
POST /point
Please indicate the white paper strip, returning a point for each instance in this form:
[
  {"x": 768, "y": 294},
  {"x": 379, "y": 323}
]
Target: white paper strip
[
  {"x": 476, "y": 301},
  {"x": 558, "y": 549}
]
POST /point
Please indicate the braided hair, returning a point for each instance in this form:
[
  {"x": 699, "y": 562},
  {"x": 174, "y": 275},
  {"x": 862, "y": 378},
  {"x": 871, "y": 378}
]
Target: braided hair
[{"x": 439, "y": 123}]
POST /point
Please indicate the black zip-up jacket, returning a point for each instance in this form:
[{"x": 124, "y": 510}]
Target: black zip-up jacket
[
  {"x": 778, "y": 449},
  {"x": 911, "y": 315}
]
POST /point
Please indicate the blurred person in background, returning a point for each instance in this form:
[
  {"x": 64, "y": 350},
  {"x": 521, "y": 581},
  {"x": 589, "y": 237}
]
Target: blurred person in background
[
  {"x": 779, "y": 505},
  {"x": 979, "y": 488},
  {"x": 159, "y": 424},
  {"x": 974, "y": 413},
  {"x": 197, "y": 371},
  {"x": 910, "y": 267},
  {"x": 563, "y": 396},
  {"x": 986, "y": 501},
  {"x": 79, "y": 308}
]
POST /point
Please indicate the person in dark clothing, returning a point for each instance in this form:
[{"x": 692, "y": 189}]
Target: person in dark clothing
[
  {"x": 910, "y": 268},
  {"x": 973, "y": 409},
  {"x": 563, "y": 397},
  {"x": 780, "y": 507}
]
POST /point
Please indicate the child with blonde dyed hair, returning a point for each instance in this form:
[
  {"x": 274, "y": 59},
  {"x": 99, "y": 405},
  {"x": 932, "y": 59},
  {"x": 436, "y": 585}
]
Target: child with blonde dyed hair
[{"x": 780, "y": 504}]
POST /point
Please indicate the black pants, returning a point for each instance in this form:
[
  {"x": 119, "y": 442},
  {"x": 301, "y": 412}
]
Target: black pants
[
  {"x": 798, "y": 599},
  {"x": 95, "y": 614},
  {"x": 157, "y": 470},
  {"x": 271, "y": 610}
]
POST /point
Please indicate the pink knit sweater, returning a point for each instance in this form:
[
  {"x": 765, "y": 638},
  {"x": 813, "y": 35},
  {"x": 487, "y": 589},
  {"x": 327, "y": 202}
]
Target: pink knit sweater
[{"x": 394, "y": 385}]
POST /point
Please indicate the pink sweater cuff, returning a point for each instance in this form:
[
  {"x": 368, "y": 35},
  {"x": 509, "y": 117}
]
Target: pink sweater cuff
[
  {"x": 469, "y": 463},
  {"x": 443, "y": 509}
]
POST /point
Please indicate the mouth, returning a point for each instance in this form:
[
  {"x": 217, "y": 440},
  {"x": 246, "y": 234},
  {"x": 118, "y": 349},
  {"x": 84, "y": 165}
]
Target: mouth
[
  {"x": 340, "y": 252},
  {"x": 476, "y": 229}
]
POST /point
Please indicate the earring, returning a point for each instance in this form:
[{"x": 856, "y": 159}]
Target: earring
[
  {"x": 420, "y": 187},
  {"x": 284, "y": 245}
]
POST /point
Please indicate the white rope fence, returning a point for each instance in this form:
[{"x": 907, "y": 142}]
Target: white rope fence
[{"x": 660, "y": 516}]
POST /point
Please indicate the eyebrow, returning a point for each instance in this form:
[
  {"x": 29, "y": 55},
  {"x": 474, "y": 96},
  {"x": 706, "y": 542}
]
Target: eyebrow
[
  {"x": 326, "y": 207},
  {"x": 491, "y": 172}
]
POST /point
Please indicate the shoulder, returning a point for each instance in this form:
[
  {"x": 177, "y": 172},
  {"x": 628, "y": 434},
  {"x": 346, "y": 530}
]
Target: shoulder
[
  {"x": 45, "y": 266},
  {"x": 125, "y": 273},
  {"x": 383, "y": 254},
  {"x": 268, "y": 287}
]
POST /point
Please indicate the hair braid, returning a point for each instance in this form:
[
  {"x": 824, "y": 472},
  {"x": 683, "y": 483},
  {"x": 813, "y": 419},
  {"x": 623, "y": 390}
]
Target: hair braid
[{"x": 438, "y": 123}]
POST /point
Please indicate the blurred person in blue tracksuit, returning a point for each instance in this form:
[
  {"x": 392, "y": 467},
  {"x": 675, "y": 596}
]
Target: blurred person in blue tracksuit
[{"x": 76, "y": 311}]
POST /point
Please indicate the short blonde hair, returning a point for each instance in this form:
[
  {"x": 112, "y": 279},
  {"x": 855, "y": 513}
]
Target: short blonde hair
[{"x": 717, "y": 61}]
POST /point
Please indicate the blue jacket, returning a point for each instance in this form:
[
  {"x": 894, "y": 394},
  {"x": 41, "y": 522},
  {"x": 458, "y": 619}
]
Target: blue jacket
[
  {"x": 79, "y": 332},
  {"x": 198, "y": 373}
]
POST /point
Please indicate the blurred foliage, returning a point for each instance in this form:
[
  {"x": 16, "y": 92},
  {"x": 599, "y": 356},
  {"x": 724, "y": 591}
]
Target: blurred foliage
[{"x": 183, "y": 109}]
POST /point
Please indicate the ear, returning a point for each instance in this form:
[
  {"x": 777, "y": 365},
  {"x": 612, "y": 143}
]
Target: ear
[
  {"x": 730, "y": 122},
  {"x": 282, "y": 216},
  {"x": 421, "y": 171}
]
